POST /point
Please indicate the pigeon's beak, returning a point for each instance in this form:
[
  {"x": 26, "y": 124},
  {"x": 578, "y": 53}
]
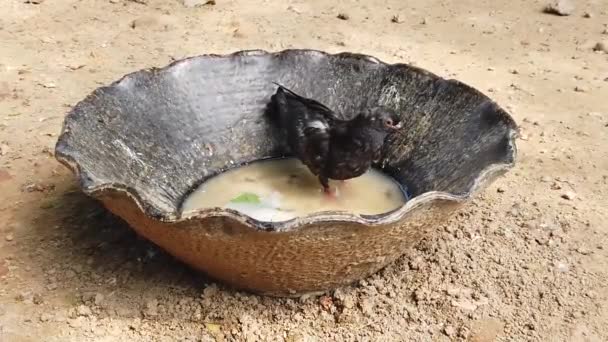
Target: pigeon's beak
[{"x": 397, "y": 126}]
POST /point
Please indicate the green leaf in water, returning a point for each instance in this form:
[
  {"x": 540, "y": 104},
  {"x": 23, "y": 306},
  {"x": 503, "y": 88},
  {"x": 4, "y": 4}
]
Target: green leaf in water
[{"x": 246, "y": 197}]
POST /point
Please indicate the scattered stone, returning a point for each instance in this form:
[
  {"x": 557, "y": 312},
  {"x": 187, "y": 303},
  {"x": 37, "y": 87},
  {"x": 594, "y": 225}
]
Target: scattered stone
[
  {"x": 343, "y": 16},
  {"x": 37, "y": 299},
  {"x": 500, "y": 190},
  {"x": 9, "y": 237},
  {"x": 464, "y": 304},
  {"x": 98, "y": 299},
  {"x": 49, "y": 85},
  {"x": 151, "y": 309},
  {"x": 569, "y": 195},
  {"x": 294, "y": 9},
  {"x": 424, "y": 21},
  {"x": 34, "y": 2},
  {"x": 76, "y": 322},
  {"x": 84, "y": 311},
  {"x": 581, "y": 89},
  {"x": 596, "y": 115},
  {"x": 326, "y": 302},
  {"x": 601, "y": 46},
  {"x": 45, "y": 317},
  {"x": 198, "y": 3},
  {"x": 583, "y": 250},
  {"x": 35, "y": 187},
  {"x": 23, "y": 297},
  {"x": 346, "y": 300},
  {"x": 514, "y": 71},
  {"x": 560, "y": 7},
  {"x": 367, "y": 306},
  {"x": 210, "y": 291},
  {"x": 416, "y": 264},
  {"x": 562, "y": 267},
  {"x": 396, "y": 19},
  {"x": 587, "y": 15},
  {"x": 449, "y": 331},
  {"x": 4, "y": 149}
]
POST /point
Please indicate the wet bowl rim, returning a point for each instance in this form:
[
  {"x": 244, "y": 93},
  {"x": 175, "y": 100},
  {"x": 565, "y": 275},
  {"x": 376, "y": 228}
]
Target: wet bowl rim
[{"x": 483, "y": 179}]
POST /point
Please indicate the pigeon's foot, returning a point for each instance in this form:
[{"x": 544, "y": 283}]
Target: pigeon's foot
[{"x": 330, "y": 193}]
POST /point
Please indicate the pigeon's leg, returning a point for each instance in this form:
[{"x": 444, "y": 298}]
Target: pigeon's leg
[{"x": 326, "y": 189}]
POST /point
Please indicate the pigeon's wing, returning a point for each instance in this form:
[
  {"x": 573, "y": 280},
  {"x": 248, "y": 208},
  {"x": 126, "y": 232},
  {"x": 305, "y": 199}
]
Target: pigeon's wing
[
  {"x": 316, "y": 144},
  {"x": 308, "y": 125},
  {"x": 312, "y": 105}
]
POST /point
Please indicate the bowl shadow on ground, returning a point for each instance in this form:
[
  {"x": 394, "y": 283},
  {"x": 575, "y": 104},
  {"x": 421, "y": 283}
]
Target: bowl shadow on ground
[
  {"x": 101, "y": 245},
  {"x": 104, "y": 255}
]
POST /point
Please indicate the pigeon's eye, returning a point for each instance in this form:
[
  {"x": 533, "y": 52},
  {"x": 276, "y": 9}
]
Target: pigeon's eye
[{"x": 388, "y": 122}]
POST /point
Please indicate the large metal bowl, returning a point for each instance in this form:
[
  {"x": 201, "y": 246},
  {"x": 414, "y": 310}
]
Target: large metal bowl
[{"x": 143, "y": 143}]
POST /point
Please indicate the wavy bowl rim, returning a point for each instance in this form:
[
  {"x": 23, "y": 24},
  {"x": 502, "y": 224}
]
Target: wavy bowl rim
[{"x": 146, "y": 206}]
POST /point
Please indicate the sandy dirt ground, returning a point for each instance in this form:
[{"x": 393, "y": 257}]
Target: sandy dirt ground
[{"x": 526, "y": 260}]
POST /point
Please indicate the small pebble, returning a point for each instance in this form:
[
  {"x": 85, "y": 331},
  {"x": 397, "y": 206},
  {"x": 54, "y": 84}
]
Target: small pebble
[
  {"x": 569, "y": 195},
  {"x": 210, "y": 291},
  {"x": 326, "y": 302},
  {"x": 449, "y": 331},
  {"x": 198, "y": 3},
  {"x": 396, "y": 19},
  {"x": 561, "y": 267},
  {"x": 83, "y": 310},
  {"x": 38, "y": 299},
  {"x": 98, "y": 299},
  {"x": 580, "y": 89},
  {"x": 294, "y": 9},
  {"x": 560, "y": 7},
  {"x": 343, "y": 16},
  {"x": 151, "y": 309},
  {"x": 583, "y": 250},
  {"x": 601, "y": 46},
  {"x": 9, "y": 237}
]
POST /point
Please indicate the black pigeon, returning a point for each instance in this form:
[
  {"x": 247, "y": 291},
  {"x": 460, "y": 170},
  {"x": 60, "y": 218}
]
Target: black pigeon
[{"x": 330, "y": 147}]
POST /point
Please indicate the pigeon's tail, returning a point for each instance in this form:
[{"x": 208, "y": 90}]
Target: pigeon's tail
[{"x": 276, "y": 107}]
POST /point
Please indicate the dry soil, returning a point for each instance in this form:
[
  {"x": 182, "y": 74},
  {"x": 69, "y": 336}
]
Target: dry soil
[{"x": 526, "y": 260}]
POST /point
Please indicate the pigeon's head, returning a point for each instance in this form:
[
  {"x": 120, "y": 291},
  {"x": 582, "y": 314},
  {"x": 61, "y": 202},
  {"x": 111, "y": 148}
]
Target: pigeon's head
[{"x": 384, "y": 119}]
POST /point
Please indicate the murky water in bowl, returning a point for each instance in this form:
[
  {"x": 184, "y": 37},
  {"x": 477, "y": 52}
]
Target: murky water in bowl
[{"x": 282, "y": 189}]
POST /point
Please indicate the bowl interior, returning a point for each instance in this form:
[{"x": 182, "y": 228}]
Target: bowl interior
[{"x": 162, "y": 132}]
